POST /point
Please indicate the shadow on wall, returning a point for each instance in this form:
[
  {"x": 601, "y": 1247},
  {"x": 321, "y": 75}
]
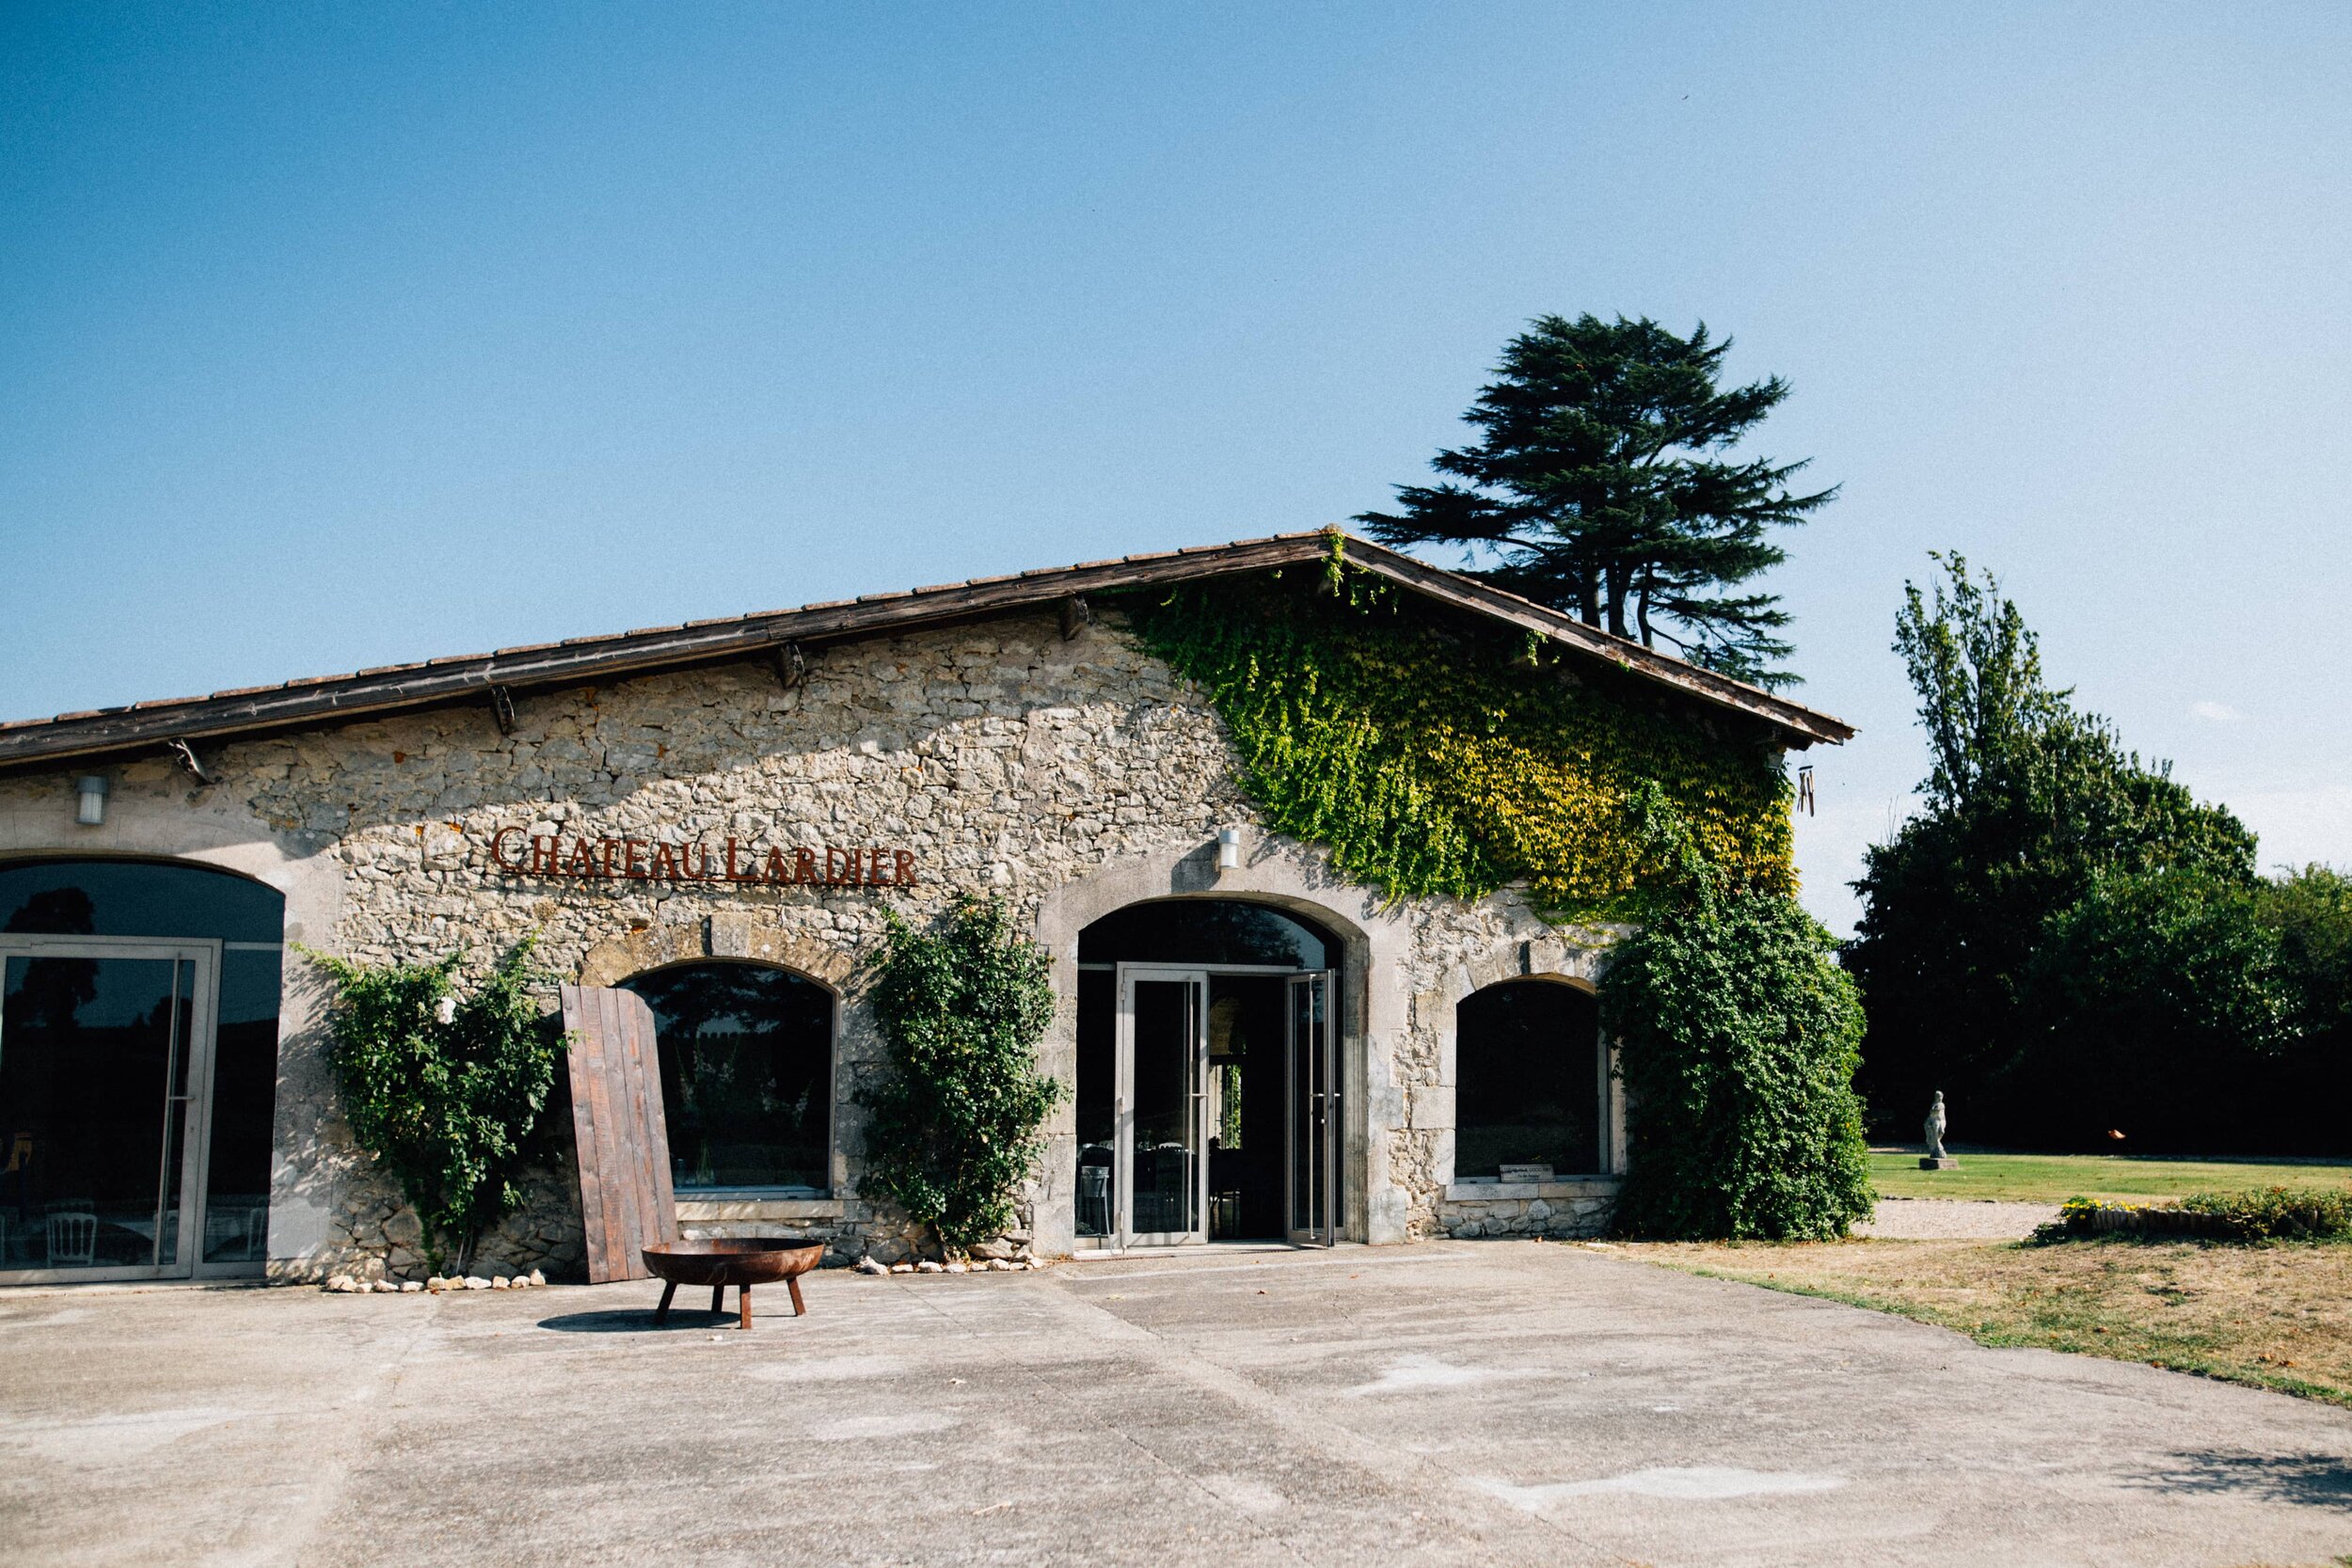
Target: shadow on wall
[{"x": 363, "y": 1224}]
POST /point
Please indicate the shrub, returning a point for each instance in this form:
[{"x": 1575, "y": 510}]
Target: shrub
[
  {"x": 1738, "y": 1035},
  {"x": 448, "y": 1107},
  {"x": 2256, "y": 1214},
  {"x": 952, "y": 1129},
  {"x": 2262, "y": 1213}
]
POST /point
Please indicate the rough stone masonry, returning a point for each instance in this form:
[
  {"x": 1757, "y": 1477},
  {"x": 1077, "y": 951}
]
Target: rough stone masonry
[{"x": 1007, "y": 758}]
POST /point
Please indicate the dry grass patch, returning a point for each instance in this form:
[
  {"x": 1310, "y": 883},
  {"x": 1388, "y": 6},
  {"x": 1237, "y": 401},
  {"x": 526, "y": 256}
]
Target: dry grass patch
[{"x": 2273, "y": 1316}]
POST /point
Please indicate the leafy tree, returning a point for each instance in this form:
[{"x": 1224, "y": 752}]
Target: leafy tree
[
  {"x": 1738, "y": 1038},
  {"x": 2160, "y": 1005},
  {"x": 2026, "y": 803},
  {"x": 2310, "y": 912},
  {"x": 952, "y": 1131},
  {"x": 1597, "y": 487},
  {"x": 449, "y": 1106}
]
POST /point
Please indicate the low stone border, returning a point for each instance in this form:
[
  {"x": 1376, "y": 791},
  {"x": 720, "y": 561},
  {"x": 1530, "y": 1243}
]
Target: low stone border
[
  {"x": 990, "y": 1265},
  {"x": 344, "y": 1284}
]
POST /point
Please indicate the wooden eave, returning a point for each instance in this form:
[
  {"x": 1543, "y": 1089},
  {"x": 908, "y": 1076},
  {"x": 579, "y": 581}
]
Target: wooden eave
[{"x": 146, "y": 727}]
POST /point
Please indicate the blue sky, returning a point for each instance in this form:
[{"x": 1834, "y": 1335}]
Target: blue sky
[{"x": 332, "y": 338}]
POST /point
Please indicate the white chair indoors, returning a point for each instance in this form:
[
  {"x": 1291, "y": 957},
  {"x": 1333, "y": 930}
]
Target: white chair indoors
[
  {"x": 235, "y": 1229},
  {"x": 72, "y": 1239},
  {"x": 1094, "y": 1200}
]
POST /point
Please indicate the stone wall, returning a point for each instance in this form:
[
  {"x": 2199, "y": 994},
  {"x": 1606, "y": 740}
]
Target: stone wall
[
  {"x": 1556, "y": 1209},
  {"x": 1009, "y": 759}
]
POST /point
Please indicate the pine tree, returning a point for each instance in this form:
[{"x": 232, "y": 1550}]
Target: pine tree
[{"x": 1599, "y": 488}]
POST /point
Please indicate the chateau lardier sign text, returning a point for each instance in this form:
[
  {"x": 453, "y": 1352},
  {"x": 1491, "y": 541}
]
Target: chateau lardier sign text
[{"x": 518, "y": 853}]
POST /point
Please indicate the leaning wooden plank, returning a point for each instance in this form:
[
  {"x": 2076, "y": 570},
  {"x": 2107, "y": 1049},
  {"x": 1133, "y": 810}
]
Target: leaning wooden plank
[
  {"x": 584, "y": 1063},
  {"x": 657, "y": 1123},
  {"x": 622, "y": 1259},
  {"x": 649, "y": 1123}
]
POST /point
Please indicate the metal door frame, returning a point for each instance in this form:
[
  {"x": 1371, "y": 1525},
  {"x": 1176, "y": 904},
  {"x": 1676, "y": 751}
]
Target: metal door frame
[
  {"x": 195, "y": 1107},
  {"x": 1123, "y": 1108},
  {"x": 1323, "y": 1089}
]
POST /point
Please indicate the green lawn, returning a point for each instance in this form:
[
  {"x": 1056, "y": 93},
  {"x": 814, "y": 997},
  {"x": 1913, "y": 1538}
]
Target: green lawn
[{"x": 2056, "y": 1178}]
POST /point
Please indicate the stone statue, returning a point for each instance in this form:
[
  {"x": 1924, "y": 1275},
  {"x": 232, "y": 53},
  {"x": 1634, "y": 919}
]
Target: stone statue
[{"x": 1935, "y": 1128}]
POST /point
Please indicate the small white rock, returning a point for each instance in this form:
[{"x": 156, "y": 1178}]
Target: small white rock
[
  {"x": 537, "y": 1278},
  {"x": 475, "y": 1282},
  {"x": 927, "y": 1266},
  {"x": 436, "y": 1283},
  {"x": 501, "y": 1283},
  {"x": 901, "y": 1268},
  {"x": 959, "y": 1267},
  {"x": 998, "y": 1265},
  {"x": 872, "y": 1265},
  {"x": 388, "y": 1286},
  {"x": 409, "y": 1287}
]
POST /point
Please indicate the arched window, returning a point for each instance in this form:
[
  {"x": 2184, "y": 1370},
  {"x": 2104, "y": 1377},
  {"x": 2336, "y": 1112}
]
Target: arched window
[
  {"x": 1528, "y": 1088},
  {"x": 746, "y": 1074}
]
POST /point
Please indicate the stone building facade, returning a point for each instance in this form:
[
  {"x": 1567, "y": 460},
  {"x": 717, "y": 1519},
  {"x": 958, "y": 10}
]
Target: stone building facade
[{"x": 1012, "y": 742}]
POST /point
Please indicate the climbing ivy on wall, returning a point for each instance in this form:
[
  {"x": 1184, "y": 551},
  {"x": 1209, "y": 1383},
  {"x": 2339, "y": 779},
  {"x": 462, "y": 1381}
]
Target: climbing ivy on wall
[{"x": 1433, "y": 753}]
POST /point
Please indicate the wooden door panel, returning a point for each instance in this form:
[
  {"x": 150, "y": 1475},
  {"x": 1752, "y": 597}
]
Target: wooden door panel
[{"x": 623, "y": 1148}]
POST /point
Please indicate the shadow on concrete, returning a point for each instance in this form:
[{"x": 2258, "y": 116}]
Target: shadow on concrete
[
  {"x": 637, "y": 1321},
  {"x": 2305, "y": 1480}
]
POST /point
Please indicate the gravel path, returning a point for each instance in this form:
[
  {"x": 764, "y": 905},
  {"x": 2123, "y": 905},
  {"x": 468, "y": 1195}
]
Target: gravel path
[{"x": 1941, "y": 1219}]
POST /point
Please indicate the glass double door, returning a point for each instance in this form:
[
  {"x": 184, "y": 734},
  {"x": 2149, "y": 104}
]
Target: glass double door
[
  {"x": 1162, "y": 1116},
  {"x": 106, "y": 1075}
]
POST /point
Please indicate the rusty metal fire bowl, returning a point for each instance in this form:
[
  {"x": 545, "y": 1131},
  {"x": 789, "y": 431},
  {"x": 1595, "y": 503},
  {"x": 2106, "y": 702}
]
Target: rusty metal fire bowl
[{"x": 741, "y": 1261}]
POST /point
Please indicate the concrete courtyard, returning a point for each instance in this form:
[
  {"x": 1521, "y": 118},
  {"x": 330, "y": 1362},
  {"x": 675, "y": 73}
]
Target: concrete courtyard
[{"x": 1453, "y": 1403}]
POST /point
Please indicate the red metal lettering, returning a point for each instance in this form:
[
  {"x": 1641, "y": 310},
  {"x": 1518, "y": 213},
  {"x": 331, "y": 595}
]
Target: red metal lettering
[
  {"x": 803, "y": 866},
  {"x": 776, "y": 870},
  {"x": 735, "y": 876},
  {"x": 547, "y": 856},
  {"x": 905, "y": 859},
  {"x": 608, "y": 844},
  {"x": 583, "y": 859},
  {"x": 499, "y": 861},
  {"x": 664, "y": 862},
  {"x": 629, "y": 858}
]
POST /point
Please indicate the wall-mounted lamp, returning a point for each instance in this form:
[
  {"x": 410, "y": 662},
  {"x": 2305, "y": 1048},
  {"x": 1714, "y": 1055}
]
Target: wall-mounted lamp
[
  {"x": 90, "y": 809},
  {"x": 1228, "y": 848}
]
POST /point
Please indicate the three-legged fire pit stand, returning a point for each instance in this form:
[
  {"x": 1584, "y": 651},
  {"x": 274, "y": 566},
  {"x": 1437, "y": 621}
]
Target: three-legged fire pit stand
[{"x": 740, "y": 1261}]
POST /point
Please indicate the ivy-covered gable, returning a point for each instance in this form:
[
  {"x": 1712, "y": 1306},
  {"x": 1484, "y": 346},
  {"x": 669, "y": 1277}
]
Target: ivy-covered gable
[{"x": 1435, "y": 752}]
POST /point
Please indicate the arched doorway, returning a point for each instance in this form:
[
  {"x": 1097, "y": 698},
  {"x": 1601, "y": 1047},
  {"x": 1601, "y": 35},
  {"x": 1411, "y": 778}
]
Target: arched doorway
[
  {"x": 1208, "y": 1082},
  {"x": 138, "y": 1069},
  {"x": 746, "y": 1055}
]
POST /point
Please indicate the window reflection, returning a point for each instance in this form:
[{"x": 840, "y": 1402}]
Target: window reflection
[
  {"x": 1205, "y": 931},
  {"x": 746, "y": 1074},
  {"x": 1527, "y": 1080},
  {"x": 136, "y": 898}
]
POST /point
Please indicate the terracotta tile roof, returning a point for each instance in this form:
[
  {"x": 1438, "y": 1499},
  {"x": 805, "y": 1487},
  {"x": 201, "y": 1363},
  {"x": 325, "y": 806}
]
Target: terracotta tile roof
[{"x": 316, "y": 700}]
